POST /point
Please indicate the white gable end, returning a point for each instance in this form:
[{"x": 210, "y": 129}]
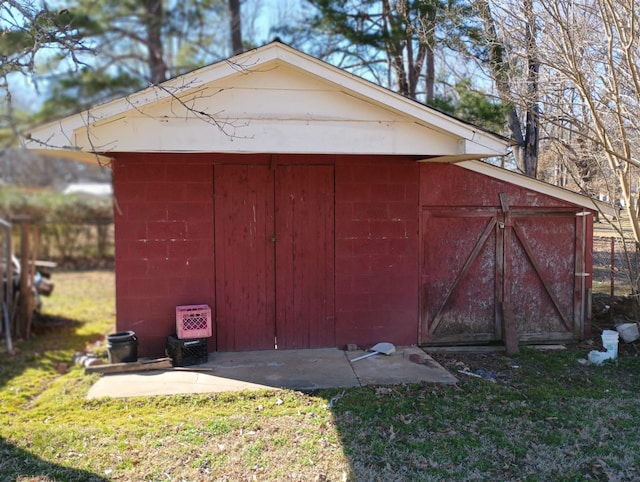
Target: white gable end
[
  {"x": 280, "y": 114},
  {"x": 273, "y": 99}
]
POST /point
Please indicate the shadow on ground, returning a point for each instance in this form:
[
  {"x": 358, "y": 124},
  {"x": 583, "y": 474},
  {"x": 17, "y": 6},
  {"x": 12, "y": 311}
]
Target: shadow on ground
[
  {"x": 61, "y": 340},
  {"x": 19, "y": 464}
]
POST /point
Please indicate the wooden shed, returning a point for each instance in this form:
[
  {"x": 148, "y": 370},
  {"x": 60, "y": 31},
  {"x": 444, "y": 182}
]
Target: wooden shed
[{"x": 311, "y": 208}]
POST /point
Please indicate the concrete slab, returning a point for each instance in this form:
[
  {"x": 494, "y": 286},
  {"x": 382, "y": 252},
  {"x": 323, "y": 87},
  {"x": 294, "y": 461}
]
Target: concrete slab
[
  {"x": 293, "y": 369},
  {"x": 398, "y": 368},
  {"x": 277, "y": 369}
]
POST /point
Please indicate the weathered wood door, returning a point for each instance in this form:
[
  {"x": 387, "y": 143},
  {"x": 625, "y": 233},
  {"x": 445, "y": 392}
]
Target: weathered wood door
[
  {"x": 458, "y": 275},
  {"x": 274, "y": 251},
  {"x": 544, "y": 254},
  {"x": 476, "y": 260}
]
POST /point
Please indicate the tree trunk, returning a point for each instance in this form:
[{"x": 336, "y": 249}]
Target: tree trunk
[
  {"x": 430, "y": 78},
  {"x": 527, "y": 137},
  {"x": 153, "y": 23},
  {"x": 236, "y": 26},
  {"x": 431, "y": 74},
  {"x": 530, "y": 151},
  {"x": 532, "y": 133}
]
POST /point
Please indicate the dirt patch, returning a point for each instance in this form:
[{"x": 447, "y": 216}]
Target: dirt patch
[
  {"x": 493, "y": 366},
  {"x": 497, "y": 367},
  {"x": 492, "y": 363}
]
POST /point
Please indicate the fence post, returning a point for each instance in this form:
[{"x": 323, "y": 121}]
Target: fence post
[
  {"x": 7, "y": 292},
  {"x": 613, "y": 277},
  {"x": 24, "y": 314}
]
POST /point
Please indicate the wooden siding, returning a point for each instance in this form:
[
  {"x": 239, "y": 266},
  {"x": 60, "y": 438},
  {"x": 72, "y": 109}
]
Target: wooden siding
[
  {"x": 458, "y": 275},
  {"x": 270, "y": 99},
  {"x": 274, "y": 257},
  {"x": 305, "y": 316}
]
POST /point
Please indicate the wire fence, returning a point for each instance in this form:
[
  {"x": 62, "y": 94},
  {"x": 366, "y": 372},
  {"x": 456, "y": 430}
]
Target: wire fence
[
  {"x": 615, "y": 267},
  {"x": 614, "y": 262}
]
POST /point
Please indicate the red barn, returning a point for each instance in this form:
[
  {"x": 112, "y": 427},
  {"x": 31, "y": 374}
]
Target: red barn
[{"x": 310, "y": 208}]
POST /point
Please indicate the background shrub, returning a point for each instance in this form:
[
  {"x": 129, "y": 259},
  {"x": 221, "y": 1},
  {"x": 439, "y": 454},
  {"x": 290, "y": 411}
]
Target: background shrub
[{"x": 70, "y": 227}]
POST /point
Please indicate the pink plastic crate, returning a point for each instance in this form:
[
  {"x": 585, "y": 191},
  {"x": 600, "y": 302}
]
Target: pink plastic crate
[{"x": 193, "y": 321}]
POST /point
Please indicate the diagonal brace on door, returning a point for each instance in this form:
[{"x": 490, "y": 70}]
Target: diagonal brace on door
[
  {"x": 463, "y": 272},
  {"x": 538, "y": 270}
]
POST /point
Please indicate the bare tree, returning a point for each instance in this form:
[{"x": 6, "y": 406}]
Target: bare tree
[
  {"x": 510, "y": 57},
  {"x": 590, "y": 61},
  {"x": 571, "y": 69},
  {"x": 27, "y": 32},
  {"x": 591, "y": 56}
]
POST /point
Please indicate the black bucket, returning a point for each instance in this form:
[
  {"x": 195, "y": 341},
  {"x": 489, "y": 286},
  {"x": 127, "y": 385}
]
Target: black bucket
[{"x": 122, "y": 347}]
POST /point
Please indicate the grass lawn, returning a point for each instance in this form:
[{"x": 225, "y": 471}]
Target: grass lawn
[{"x": 536, "y": 416}]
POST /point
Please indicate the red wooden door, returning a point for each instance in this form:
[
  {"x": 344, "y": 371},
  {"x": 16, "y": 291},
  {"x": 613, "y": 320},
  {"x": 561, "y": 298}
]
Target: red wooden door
[
  {"x": 305, "y": 315},
  {"x": 474, "y": 261},
  {"x": 274, "y": 245},
  {"x": 245, "y": 283}
]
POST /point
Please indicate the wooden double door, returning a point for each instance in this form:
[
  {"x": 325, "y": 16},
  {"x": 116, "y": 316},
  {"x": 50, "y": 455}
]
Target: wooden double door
[
  {"x": 477, "y": 261},
  {"x": 274, "y": 254}
]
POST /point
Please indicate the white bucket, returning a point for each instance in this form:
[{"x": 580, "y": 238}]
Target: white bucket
[
  {"x": 610, "y": 342},
  {"x": 628, "y": 332}
]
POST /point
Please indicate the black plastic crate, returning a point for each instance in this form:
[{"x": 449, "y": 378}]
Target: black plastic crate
[{"x": 187, "y": 352}]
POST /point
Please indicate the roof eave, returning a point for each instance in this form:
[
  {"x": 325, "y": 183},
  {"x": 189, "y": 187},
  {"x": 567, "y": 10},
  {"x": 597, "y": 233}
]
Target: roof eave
[{"x": 538, "y": 186}]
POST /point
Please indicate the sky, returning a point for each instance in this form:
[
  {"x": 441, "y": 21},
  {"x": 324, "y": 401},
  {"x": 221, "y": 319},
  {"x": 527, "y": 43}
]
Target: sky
[{"x": 259, "y": 17}]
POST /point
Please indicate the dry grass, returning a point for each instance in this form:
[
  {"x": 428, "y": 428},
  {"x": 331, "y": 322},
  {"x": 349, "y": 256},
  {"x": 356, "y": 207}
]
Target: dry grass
[{"x": 612, "y": 227}]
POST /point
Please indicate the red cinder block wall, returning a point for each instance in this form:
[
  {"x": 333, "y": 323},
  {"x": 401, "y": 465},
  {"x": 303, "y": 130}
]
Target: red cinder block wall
[
  {"x": 164, "y": 238},
  {"x": 376, "y": 250},
  {"x": 450, "y": 185},
  {"x": 164, "y": 243}
]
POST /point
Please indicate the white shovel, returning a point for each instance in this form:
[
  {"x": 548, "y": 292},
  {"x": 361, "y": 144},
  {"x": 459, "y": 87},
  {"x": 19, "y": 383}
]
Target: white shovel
[{"x": 384, "y": 348}]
